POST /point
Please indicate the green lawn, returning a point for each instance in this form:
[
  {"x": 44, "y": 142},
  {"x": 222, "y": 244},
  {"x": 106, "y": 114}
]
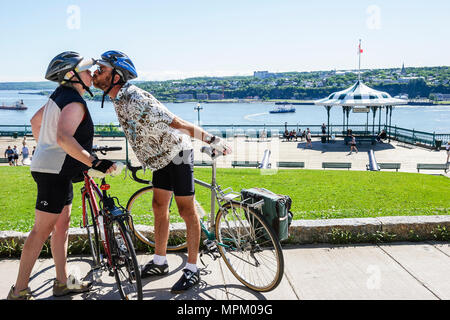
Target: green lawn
[{"x": 316, "y": 194}]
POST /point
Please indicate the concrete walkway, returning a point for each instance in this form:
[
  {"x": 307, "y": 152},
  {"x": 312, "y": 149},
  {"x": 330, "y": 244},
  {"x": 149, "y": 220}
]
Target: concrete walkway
[
  {"x": 399, "y": 271},
  {"x": 253, "y": 150}
]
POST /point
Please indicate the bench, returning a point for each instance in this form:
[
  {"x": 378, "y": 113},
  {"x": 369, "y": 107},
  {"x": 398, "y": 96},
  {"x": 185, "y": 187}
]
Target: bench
[
  {"x": 337, "y": 165},
  {"x": 360, "y": 139},
  {"x": 432, "y": 166},
  {"x": 202, "y": 163},
  {"x": 251, "y": 164},
  {"x": 387, "y": 165},
  {"x": 3, "y": 160},
  {"x": 287, "y": 164}
]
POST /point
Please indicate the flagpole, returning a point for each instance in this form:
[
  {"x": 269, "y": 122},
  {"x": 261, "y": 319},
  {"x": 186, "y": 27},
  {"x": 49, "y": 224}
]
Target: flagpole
[{"x": 359, "y": 65}]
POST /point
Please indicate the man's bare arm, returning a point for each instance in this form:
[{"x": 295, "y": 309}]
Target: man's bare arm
[{"x": 190, "y": 129}]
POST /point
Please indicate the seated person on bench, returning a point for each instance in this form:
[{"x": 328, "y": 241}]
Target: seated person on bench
[
  {"x": 292, "y": 135},
  {"x": 381, "y": 136},
  {"x": 286, "y": 135}
]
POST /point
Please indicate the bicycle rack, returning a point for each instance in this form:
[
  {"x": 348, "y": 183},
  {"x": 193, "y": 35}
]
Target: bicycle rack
[{"x": 257, "y": 205}]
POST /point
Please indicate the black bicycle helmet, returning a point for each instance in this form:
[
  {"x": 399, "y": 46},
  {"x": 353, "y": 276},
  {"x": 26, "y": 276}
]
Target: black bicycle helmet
[{"x": 66, "y": 62}]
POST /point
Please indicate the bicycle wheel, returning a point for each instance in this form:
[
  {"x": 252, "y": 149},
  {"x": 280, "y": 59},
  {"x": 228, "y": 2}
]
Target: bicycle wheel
[
  {"x": 124, "y": 262},
  {"x": 92, "y": 231},
  {"x": 140, "y": 207},
  {"x": 249, "y": 247}
]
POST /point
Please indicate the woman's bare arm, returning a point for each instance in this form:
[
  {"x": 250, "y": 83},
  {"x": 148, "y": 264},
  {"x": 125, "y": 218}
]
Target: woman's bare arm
[{"x": 36, "y": 122}]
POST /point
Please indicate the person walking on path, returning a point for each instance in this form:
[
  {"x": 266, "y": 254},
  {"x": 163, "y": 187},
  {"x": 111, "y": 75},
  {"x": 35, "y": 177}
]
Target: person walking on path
[
  {"x": 161, "y": 142},
  {"x": 308, "y": 138},
  {"x": 64, "y": 132},
  {"x": 16, "y": 156},
  {"x": 9, "y": 153},
  {"x": 353, "y": 144},
  {"x": 25, "y": 154}
]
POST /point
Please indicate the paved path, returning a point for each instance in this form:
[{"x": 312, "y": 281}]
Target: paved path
[
  {"x": 243, "y": 149},
  {"x": 401, "y": 271}
]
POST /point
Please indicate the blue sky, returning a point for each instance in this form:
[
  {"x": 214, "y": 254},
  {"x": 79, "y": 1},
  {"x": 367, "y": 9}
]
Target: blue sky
[{"x": 175, "y": 39}]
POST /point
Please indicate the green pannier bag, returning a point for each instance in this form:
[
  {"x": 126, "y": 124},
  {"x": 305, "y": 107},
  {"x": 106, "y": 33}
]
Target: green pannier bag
[{"x": 275, "y": 210}]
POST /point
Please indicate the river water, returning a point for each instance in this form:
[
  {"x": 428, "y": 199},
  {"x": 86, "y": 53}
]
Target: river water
[{"x": 421, "y": 118}]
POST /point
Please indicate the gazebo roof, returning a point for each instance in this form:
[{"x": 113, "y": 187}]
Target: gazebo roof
[{"x": 359, "y": 95}]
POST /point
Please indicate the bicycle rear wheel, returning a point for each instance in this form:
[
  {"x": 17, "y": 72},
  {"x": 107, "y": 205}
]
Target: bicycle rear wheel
[
  {"x": 124, "y": 262},
  {"x": 249, "y": 247},
  {"x": 92, "y": 231},
  {"x": 140, "y": 206}
]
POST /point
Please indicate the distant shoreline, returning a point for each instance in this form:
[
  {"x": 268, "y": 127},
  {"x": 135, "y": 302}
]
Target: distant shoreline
[{"x": 275, "y": 101}]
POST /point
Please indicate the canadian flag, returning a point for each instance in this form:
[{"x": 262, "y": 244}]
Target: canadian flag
[{"x": 359, "y": 49}]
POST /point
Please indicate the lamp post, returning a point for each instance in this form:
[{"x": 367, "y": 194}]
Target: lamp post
[{"x": 198, "y": 108}]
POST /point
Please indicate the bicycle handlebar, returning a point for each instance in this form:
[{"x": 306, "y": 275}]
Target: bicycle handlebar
[
  {"x": 213, "y": 153},
  {"x": 104, "y": 149},
  {"x": 133, "y": 173}
]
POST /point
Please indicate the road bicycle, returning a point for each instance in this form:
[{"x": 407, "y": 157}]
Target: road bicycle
[
  {"x": 237, "y": 232},
  {"x": 109, "y": 234}
]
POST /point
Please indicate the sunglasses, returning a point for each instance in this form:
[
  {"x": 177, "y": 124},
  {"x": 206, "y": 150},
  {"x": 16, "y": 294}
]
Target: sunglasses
[{"x": 100, "y": 70}]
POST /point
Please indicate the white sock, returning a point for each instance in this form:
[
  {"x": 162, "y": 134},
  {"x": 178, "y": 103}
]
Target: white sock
[
  {"x": 159, "y": 260},
  {"x": 191, "y": 267}
]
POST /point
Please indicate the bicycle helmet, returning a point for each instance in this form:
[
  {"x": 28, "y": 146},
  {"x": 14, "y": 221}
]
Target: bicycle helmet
[
  {"x": 121, "y": 65},
  {"x": 60, "y": 67}
]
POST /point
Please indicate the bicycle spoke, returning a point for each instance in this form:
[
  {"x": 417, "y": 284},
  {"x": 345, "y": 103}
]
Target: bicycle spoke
[
  {"x": 249, "y": 247},
  {"x": 126, "y": 268}
]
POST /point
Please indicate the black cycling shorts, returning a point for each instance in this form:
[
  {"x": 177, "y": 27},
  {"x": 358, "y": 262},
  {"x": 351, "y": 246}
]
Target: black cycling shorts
[
  {"x": 178, "y": 175},
  {"x": 54, "y": 191}
]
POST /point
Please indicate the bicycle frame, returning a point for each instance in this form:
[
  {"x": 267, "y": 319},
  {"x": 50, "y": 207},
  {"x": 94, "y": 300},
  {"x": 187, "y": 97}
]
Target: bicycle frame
[
  {"x": 217, "y": 194},
  {"x": 91, "y": 189}
]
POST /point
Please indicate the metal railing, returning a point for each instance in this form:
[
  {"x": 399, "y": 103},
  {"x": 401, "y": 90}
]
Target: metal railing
[{"x": 411, "y": 136}]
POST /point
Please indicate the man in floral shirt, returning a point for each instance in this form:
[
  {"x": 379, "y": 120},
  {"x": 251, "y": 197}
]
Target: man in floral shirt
[{"x": 161, "y": 142}]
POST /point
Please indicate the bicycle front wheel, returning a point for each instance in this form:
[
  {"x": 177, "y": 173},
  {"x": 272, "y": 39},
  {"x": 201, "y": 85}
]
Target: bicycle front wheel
[
  {"x": 140, "y": 207},
  {"x": 124, "y": 262},
  {"x": 92, "y": 231},
  {"x": 249, "y": 247}
]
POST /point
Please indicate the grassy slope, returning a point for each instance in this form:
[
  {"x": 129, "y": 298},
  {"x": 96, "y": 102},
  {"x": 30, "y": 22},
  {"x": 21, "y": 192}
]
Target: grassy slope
[{"x": 315, "y": 193}]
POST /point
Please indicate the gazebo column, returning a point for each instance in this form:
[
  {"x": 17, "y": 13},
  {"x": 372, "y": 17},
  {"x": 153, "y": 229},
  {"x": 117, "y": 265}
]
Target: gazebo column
[
  {"x": 390, "y": 122},
  {"x": 347, "y": 111},
  {"x": 386, "y": 120},
  {"x": 328, "y": 123},
  {"x": 374, "y": 111},
  {"x": 379, "y": 120}
]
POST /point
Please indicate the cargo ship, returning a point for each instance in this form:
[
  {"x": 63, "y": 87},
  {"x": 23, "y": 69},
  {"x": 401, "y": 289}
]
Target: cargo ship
[
  {"x": 19, "y": 105},
  {"x": 283, "y": 109}
]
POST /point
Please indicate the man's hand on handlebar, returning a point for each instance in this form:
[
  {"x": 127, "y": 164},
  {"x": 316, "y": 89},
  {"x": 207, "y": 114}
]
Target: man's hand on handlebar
[{"x": 220, "y": 145}]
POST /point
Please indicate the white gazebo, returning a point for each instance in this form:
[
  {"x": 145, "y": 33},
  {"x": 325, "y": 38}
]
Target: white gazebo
[{"x": 360, "y": 96}]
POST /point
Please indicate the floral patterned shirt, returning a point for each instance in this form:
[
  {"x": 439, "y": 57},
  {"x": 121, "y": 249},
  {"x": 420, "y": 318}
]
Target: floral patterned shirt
[{"x": 145, "y": 122}]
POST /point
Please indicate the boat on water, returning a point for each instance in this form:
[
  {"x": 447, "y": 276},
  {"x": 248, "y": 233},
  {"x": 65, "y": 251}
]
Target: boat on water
[
  {"x": 283, "y": 109},
  {"x": 19, "y": 105}
]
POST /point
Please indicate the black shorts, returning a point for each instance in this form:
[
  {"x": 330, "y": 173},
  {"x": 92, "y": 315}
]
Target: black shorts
[
  {"x": 54, "y": 191},
  {"x": 10, "y": 158},
  {"x": 16, "y": 156},
  {"x": 178, "y": 175}
]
